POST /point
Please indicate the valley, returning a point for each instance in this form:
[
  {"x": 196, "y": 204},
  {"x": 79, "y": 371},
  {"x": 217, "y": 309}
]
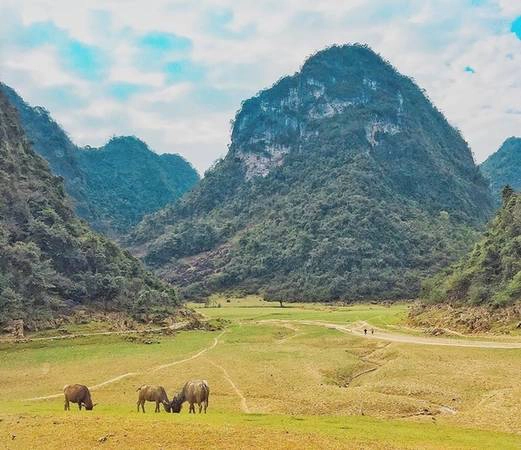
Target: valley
[
  {"x": 342, "y": 269},
  {"x": 295, "y": 377}
]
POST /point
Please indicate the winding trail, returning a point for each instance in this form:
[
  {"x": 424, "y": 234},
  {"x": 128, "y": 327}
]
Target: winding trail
[
  {"x": 202, "y": 352},
  {"x": 132, "y": 374},
  {"x": 244, "y": 404},
  {"x": 357, "y": 329}
]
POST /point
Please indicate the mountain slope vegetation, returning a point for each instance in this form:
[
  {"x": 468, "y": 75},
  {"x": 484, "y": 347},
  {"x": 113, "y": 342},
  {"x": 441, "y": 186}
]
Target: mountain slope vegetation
[
  {"x": 503, "y": 168},
  {"x": 50, "y": 261},
  {"x": 491, "y": 273},
  {"x": 341, "y": 181},
  {"x": 114, "y": 186}
]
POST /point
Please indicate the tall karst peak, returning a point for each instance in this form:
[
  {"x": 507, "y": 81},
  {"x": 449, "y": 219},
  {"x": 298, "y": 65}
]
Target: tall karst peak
[
  {"x": 342, "y": 180},
  {"x": 349, "y": 98}
]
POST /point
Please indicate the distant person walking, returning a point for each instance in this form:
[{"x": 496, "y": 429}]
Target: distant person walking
[
  {"x": 372, "y": 330},
  {"x": 365, "y": 331}
]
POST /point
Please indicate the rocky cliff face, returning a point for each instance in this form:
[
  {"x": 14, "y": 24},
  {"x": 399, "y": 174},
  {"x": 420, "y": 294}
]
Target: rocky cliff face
[
  {"x": 504, "y": 167},
  {"x": 113, "y": 187},
  {"x": 342, "y": 180}
]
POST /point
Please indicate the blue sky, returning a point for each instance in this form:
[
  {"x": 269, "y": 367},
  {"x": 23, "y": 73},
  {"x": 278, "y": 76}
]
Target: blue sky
[{"x": 175, "y": 72}]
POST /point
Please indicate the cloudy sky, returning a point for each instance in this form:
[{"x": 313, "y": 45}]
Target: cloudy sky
[{"x": 174, "y": 72}]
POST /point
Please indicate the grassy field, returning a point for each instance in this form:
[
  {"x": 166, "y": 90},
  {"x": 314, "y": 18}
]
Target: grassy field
[{"x": 275, "y": 381}]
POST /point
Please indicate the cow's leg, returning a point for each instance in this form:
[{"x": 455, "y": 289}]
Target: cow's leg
[
  {"x": 192, "y": 408},
  {"x": 79, "y": 405},
  {"x": 200, "y": 408},
  {"x": 66, "y": 405},
  {"x": 157, "y": 407},
  {"x": 205, "y": 405},
  {"x": 138, "y": 404}
]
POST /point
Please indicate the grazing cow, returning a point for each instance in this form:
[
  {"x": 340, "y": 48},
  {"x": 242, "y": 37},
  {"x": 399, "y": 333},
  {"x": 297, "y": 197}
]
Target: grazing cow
[
  {"x": 77, "y": 393},
  {"x": 196, "y": 391},
  {"x": 152, "y": 394}
]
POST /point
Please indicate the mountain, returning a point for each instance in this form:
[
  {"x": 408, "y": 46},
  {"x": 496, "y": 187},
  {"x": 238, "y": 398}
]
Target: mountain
[
  {"x": 504, "y": 167},
  {"x": 125, "y": 180},
  {"x": 50, "y": 261},
  {"x": 341, "y": 181},
  {"x": 114, "y": 186},
  {"x": 491, "y": 273}
]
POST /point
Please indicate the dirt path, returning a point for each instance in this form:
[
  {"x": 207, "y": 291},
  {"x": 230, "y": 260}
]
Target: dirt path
[
  {"x": 291, "y": 327},
  {"x": 203, "y": 351},
  {"x": 132, "y": 374},
  {"x": 175, "y": 326},
  {"x": 358, "y": 330},
  {"x": 244, "y": 404}
]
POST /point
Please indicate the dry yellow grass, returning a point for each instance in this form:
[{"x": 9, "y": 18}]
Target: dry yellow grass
[{"x": 273, "y": 385}]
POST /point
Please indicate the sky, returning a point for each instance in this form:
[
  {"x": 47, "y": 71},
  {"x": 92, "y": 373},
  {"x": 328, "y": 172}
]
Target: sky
[{"x": 174, "y": 73}]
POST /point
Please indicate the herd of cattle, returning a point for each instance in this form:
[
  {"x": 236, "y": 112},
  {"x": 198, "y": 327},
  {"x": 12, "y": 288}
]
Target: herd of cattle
[{"x": 194, "y": 392}]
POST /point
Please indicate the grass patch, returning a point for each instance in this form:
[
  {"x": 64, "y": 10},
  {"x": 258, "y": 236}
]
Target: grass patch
[{"x": 304, "y": 385}]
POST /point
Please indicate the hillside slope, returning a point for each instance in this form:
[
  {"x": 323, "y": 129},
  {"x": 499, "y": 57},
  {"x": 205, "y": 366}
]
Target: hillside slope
[
  {"x": 341, "y": 181},
  {"x": 503, "y": 167},
  {"x": 491, "y": 273},
  {"x": 50, "y": 262},
  {"x": 114, "y": 186}
]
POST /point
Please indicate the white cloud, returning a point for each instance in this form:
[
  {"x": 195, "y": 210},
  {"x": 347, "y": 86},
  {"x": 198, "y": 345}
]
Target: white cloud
[{"x": 432, "y": 41}]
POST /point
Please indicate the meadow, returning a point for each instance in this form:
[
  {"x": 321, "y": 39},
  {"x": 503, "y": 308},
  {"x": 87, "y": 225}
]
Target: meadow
[{"x": 302, "y": 376}]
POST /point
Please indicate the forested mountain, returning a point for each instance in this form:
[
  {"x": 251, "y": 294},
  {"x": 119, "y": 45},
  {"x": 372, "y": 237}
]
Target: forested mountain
[
  {"x": 341, "y": 181},
  {"x": 50, "y": 261},
  {"x": 491, "y": 273},
  {"x": 114, "y": 186},
  {"x": 504, "y": 167},
  {"x": 125, "y": 180}
]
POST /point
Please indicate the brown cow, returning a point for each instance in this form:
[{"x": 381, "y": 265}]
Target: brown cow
[
  {"x": 196, "y": 391},
  {"x": 77, "y": 393},
  {"x": 152, "y": 394}
]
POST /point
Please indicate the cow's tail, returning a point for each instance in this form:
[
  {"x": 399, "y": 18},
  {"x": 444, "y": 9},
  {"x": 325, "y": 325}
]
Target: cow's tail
[
  {"x": 207, "y": 387},
  {"x": 140, "y": 387},
  {"x": 65, "y": 387}
]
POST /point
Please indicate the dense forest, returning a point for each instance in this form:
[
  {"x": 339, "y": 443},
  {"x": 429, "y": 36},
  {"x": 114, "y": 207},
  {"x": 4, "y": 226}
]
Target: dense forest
[
  {"x": 50, "y": 261},
  {"x": 341, "y": 181},
  {"x": 114, "y": 186},
  {"x": 503, "y": 167},
  {"x": 491, "y": 273}
]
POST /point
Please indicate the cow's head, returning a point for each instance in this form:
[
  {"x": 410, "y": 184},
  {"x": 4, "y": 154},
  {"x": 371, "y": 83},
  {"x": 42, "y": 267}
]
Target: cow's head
[{"x": 176, "y": 404}]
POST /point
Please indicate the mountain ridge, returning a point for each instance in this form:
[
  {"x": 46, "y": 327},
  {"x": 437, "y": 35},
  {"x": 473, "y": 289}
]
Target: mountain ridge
[
  {"x": 342, "y": 180},
  {"x": 503, "y": 167},
  {"x": 50, "y": 261},
  {"x": 490, "y": 274},
  {"x": 153, "y": 180}
]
